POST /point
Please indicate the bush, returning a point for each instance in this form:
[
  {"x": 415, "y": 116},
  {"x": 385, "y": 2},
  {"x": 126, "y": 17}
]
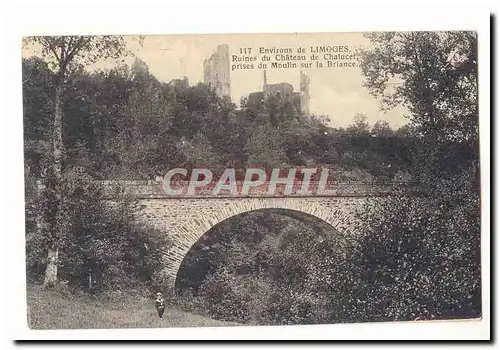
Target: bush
[
  {"x": 102, "y": 240},
  {"x": 249, "y": 271},
  {"x": 415, "y": 262}
]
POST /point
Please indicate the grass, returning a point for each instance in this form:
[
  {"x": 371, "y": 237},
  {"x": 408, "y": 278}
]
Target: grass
[{"x": 57, "y": 309}]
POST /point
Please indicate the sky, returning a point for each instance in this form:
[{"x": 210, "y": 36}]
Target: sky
[{"x": 335, "y": 92}]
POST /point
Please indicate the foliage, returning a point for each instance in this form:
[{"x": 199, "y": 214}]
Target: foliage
[
  {"x": 248, "y": 270},
  {"x": 64, "y": 54},
  {"x": 102, "y": 239},
  {"x": 427, "y": 249},
  {"x": 417, "y": 262},
  {"x": 434, "y": 74},
  {"x": 68, "y": 53},
  {"x": 131, "y": 126}
]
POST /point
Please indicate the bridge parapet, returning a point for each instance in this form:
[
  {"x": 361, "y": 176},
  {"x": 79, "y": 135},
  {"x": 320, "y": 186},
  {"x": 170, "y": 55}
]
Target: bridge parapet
[{"x": 154, "y": 189}]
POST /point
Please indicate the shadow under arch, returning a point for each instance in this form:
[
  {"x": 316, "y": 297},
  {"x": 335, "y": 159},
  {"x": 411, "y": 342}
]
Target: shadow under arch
[{"x": 315, "y": 222}]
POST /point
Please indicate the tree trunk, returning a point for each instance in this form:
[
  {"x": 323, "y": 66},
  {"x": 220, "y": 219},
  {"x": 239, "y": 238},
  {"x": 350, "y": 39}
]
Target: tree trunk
[
  {"x": 51, "y": 269},
  {"x": 53, "y": 250},
  {"x": 57, "y": 135}
]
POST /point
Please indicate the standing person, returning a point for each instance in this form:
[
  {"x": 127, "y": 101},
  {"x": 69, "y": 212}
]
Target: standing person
[{"x": 160, "y": 305}]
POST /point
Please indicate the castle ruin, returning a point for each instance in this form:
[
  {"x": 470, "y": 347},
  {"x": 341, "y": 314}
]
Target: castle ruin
[
  {"x": 216, "y": 71},
  {"x": 284, "y": 91}
]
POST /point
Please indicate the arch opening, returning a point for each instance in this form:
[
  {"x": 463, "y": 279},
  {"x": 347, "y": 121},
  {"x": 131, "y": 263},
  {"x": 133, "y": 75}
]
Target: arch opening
[{"x": 260, "y": 255}]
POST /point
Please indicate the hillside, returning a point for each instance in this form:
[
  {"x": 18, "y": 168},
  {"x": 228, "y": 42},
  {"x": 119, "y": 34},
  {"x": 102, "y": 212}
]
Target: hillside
[{"x": 55, "y": 309}]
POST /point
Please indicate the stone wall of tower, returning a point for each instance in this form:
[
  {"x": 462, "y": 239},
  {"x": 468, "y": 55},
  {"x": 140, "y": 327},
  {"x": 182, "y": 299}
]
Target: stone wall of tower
[
  {"x": 304, "y": 93},
  {"x": 216, "y": 71},
  {"x": 285, "y": 91}
]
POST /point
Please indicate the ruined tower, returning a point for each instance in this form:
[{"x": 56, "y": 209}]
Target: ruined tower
[
  {"x": 304, "y": 93},
  {"x": 284, "y": 91},
  {"x": 216, "y": 71}
]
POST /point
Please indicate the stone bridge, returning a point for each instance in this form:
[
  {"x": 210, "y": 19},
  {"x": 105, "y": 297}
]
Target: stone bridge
[{"x": 185, "y": 218}]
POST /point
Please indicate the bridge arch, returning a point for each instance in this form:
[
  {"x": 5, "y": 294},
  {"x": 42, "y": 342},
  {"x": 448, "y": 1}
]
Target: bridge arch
[
  {"x": 335, "y": 212},
  {"x": 185, "y": 218},
  {"x": 313, "y": 222}
]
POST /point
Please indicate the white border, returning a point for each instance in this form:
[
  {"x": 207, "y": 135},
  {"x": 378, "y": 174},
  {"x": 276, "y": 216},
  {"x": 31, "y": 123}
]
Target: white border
[{"x": 125, "y": 17}]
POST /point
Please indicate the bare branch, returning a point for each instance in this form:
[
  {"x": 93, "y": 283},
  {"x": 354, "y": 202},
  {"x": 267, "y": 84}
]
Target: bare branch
[
  {"x": 78, "y": 45},
  {"x": 68, "y": 45},
  {"x": 63, "y": 53},
  {"x": 50, "y": 44}
]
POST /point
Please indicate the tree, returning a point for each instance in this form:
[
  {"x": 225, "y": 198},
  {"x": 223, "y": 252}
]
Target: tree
[
  {"x": 264, "y": 148},
  {"x": 427, "y": 249},
  {"x": 418, "y": 260},
  {"x": 434, "y": 74},
  {"x": 65, "y": 53},
  {"x": 37, "y": 112},
  {"x": 267, "y": 268},
  {"x": 382, "y": 128},
  {"x": 360, "y": 126}
]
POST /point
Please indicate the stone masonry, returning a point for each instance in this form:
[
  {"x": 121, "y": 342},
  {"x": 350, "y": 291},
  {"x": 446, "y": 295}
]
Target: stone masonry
[{"x": 186, "y": 218}]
